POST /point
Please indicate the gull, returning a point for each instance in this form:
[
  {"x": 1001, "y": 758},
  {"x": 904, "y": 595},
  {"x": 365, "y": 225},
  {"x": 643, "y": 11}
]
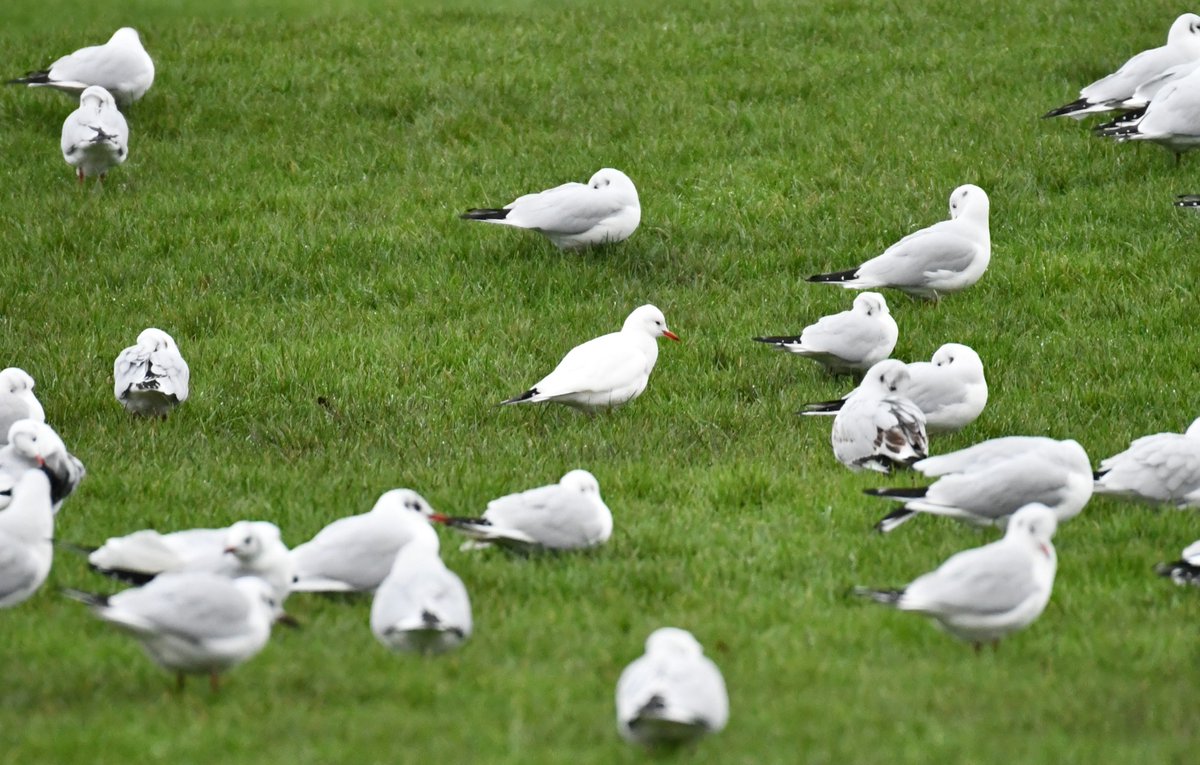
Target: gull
[
  {"x": 848, "y": 342},
  {"x": 1145, "y": 93},
  {"x": 672, "y": 694},
  {"x": 1163, "y": 468},
  {"x": 1186, "y": 570},
  {"x": 877, "y": 428},
  {"x": 17, "y": 401},
  {"x": 1116, "y": 90},
  {"x": 574, "y": 215},
  {"x": 568, "y": 515},
  {"x": 950, "y": 389},
  {"x": 986, "y": 483},
  {"x": 982, "y": 594},
  {"x": 355, "y": 554},
  {"x": 946, "y": 257},
  {"x": 192, "y": 622},
  {"x": 247, "y": 548},
  {"x": 1172, "y": 119},
  {"x": 95, "y": 137},
  {"x": 33, "y": 444},
  {"x": 606, "y": 371},
  {"x": 26, "y": 530},
  {"x": 120, "y": 66},
  {"x": 1188, "y": 200},
  {"x": 151, "y": 378},
  {"x": 421, "y": 606}
]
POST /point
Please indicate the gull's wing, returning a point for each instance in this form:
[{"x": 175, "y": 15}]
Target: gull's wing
[
  {"x": 1164, "y": 466},
  {"x": 999, "y": 489},
  {"x": 571, "y": 208},
  {"x": 992, "y": 579},
  {"x": 195, "y": 607},
  {"x": 981, "y": 455},
  {"x": 18, "y": 566},
  {"x": 552, "y": 516},
  {"x": 947, "y": 247},
  {"x": 353, "y": 553},
  {"x": 1122, "y": 83},
  {"x": 601, "y": 364},
  {"x": 172, "y": 372},
  {"x": 933, "y": 388},
  {"x": 129, "y": 368},
  {"x": 848, "y": 335},
  {"x": 688, "y": 690}
]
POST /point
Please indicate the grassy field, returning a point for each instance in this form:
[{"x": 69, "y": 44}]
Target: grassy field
[{"x": 288, "y": 213}]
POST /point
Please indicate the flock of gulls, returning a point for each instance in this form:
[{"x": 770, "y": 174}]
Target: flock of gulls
[{"x": 205, "y": 600}]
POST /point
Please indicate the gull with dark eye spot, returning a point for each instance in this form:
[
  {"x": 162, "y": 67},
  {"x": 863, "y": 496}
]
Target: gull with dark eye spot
[
  {"x": 17, "y": 401},
  {"x": 33, "y": 444},
  {"x": 574, "y": 215},
  {"x": 95, "y": 137},
  {"x": 878, "y": 428},
  {"x": 849, "y": 342}
]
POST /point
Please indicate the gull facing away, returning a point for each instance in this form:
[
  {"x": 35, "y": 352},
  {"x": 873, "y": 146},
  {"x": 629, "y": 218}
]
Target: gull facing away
[
  {"x": 574, "y": 215},
  {"x": 950, "y": 389},
  {"x": 878, "y": 428},
  {"x": 95, "y": 137},
  {"x": 1172, "y": 120},
  {"x": 151, "y": 378},
  {"x": 946, "y": 257},
  {"x": 247, "y": 548},
  {"x": 192, "y": 622},
  {"x": 568, "y": 515},
  {"x": 26, "y": 530},
  {"x": 17, "y": 401},
  {"x": 849, "y": 342},
  {"x": 986, "y": 483},
  {"x": 33, "y": 444},
  {"x": 672, "y": 694},
  {"x": 1186, "y": 570},
  {"x": 1163, "y": 468},
  {"x": 355, "y": 554},
  {"x": 1117, "y": 90},
  {"x": 982, "y": 594},
  {"x": 607, "y": 371},
  {"x": 421, "y": 606},
  {"x": 121, "y": 66}
]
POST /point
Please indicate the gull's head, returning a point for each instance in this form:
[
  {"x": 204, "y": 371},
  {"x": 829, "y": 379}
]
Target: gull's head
[
  {"x": 125, "y": 35},
  {"x": 616, "y": 183},
  {"x": 1184, "y": 29},
  {"x": 404, "y": 499},
  {"x": 962, "y": 358},
  {"x": 1193, "y": 430},
  {"x": 155, "y": 339},
  {"x": 261, "y": 596},
  {"x": 971, "y": 199},
  {"x": 673, "y": 641},
  {"x": 1070, "y": 455},
  {"x": 581, "y": 481},
  {"x": 650, "y": 320},
  {"x": 871, "y": 304},
  {"x": 1035, "y": 521},
  {"x": 247, "y": 540},
  {"x": 15, "y": 381},
  {"x": 98, "y": 96},
  {"x": 887, "y": 377},
  {"x": 35, "y": 440}
]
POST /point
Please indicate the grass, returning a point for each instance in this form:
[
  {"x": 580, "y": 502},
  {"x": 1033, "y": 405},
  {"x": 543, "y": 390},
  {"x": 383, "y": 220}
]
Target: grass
[{"x": 288, "y": 213}]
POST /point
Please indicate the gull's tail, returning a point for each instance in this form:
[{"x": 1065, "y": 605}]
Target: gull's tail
[
  {"x": 526, "y": 396},
  {"x": 1126, "y": 119},
  {"x": 1120, "y": 132},
  {"x": 837, "y": 277},
  {"x": 1075, "y": 109},
  {"x": 778, "y": 340},
  {"x": 31, "y": 78},
  {"x": 886, "y": 597},
  {"x": 1187, "y": 200},
  {"x": 1179, "y": 572},
  {"x": 823, "y": 408},
  {"x": 485, "y": 213}
]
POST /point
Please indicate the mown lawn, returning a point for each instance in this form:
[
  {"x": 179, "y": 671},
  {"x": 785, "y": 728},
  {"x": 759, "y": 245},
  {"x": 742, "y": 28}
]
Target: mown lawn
[{"x": 289, "y": 214}]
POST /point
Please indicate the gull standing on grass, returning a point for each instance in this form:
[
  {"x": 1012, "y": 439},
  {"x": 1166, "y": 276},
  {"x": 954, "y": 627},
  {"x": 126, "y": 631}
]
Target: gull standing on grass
[
  {"x": 192, "y": 622},
  {"x": 568, "y": 515},
  {"x": 1172, "y": 120},
  {"x": 33, "y": 444},
  {"x": 95, "y": 137},
  {"x": 1186, "y": 570},
  {"x": 878, "y": 428},
  {"x": 986, "y": 483},
  {"x": 574, "y": 215},
  {"x": 26, "y": 531},
  {"x": 950, "y": 389},
  {"x": 982, "y": 594},
  {"x": 1117, "y": 90},
  {"x": 355, "y": 554},
  {"x": 849, "y": 342},
  {"x": 151, "y": 378},
  {"x": 1146, "y": 92},
  {"x": 17, "y": 401},
  {"x": 1163, "y": 468},
  {"x": 421, "y": 606},
  {"x": 672, "y": 694},
  {"x": 121, "y": 66},
  {"x": 607, "y": 371},
  {"x": 946, "y": 257}
]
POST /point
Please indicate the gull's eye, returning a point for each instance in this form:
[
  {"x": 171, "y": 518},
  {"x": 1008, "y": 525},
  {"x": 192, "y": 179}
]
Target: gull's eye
[{"x": 247, "y": 541}]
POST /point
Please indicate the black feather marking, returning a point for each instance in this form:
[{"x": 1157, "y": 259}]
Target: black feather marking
[
  {"x": 655, "y": 705},
  {"x": 1179, "y": 571},
  {"x": 59, "y": 488},
  {"x": 461, "y": 520},
  {"x": 31, "y": 78},
  {"x": 1116, "y": 132},
  {"x": 89, "y": 598},
  {"x": 1096, "y": 476},
  {"x": 901, "y": 493},
  {"x": 485, "y": 213},
  {"x": 523, "y": 397},
  {"x": 1187, "y": 200},
  {"x": 836, "y": 276},
  {"x": 123, "y": 575},
  {"x": 887, "y": 597},
  {"x": 779, "y": 339},
  {"x": 1128, "y": 118},
  {"x": 1066, "y": 109},
  {"x": 898, "y": 514},
  {"x": 430, "y": 619}
]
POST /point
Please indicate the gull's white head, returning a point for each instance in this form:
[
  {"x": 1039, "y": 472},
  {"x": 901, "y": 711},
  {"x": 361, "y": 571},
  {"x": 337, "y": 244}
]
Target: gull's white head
[
  {"x": 962, "y": 358},
  {"x": 650, "y": 320},
  {"x": 969, "y": 200},
  {"x": 1034, "y": 520},
  {"x": 15, "y": 381},
  {"x": 155, "y": 339},
  {"x": 886, "y": 377},
  {"x": 616, "y": 183},
  {"x": 247, "y": 540},
  {"x": 1069, "y": 454},
  {"x": 261, "y": 596},
  {"x": 35, "y": 440},
  {"x": 1185, "y": 31},
  {"x": 871, "y": 304},
  {"x": 97, "y": 97},
  {"x": 581, "y": 481},
  {"x": 673, "y": 641},
  {"x": 126, "y": 35},
  {"x": 406, "y": 499},
  {"x": 1193, "y": 430}
]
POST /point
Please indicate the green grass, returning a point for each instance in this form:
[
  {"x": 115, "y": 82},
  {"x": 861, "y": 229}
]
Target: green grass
[{"x": 288, "y": 213}]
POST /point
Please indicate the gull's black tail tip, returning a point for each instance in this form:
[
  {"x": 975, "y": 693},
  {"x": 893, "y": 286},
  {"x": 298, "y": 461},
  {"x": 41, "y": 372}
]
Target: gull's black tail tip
[
  {"x": 485, "y": 213},
  {"x": 836, "y": 276}
]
